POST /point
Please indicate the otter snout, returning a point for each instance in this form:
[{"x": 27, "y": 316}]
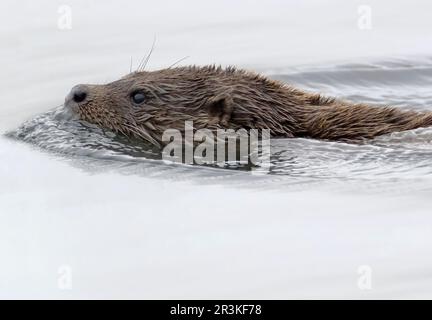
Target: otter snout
[{"x": 78, "y": 94}]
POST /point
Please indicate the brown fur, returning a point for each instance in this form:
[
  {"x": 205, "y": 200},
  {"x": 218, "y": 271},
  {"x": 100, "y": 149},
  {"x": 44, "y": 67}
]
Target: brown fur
[{"x": 213, "y": 97}]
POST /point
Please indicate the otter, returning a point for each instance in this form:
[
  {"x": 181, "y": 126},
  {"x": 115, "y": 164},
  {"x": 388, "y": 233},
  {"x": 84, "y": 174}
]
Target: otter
[{"x": 143, "y": 104}]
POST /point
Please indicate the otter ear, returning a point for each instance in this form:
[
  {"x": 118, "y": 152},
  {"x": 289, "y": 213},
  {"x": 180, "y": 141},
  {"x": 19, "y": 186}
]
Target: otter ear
[{"x": 220, "y": 109}]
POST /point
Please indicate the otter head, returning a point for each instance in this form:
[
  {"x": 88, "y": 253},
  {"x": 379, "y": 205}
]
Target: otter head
[{"x": 145, "y": 104}]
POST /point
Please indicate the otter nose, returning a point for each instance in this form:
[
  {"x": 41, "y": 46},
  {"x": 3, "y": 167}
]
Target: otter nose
[{"x": 78, "y": 94}]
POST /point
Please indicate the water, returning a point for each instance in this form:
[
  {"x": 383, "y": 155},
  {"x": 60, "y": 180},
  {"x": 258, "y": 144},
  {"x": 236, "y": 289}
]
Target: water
[
  {"x": 398, "y": 160},
  {"x": 80, "y": 202}
]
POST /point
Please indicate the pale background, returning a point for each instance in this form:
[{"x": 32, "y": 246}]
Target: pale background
[{"x": 127, "y": 236}]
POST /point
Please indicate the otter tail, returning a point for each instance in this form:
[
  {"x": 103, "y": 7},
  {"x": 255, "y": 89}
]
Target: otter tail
[{"x": 346, "y": 122}]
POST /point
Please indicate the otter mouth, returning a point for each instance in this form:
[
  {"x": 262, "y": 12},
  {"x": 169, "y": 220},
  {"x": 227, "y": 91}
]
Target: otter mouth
[
  {"x": 126, "y": 129},
  {"x": 140, "y": 133}
]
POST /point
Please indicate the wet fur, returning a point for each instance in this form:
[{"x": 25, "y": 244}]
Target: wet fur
[{"x": 214, "y": 97}]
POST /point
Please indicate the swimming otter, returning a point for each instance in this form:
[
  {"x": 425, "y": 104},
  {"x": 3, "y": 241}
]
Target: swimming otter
[{"x": 144, "y": 104}]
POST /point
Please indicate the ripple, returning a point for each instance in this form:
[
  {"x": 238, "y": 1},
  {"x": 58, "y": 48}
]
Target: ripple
[{"x": 391, "y": 161}]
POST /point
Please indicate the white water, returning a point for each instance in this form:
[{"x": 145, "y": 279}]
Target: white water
[{"x": 153, "y": 231}]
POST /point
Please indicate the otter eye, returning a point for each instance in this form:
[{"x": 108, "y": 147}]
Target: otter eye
[{"x": 138, "y": 97}]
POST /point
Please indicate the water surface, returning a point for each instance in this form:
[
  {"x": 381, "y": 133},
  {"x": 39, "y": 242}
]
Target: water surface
[{"x": 127, "y": 225}]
